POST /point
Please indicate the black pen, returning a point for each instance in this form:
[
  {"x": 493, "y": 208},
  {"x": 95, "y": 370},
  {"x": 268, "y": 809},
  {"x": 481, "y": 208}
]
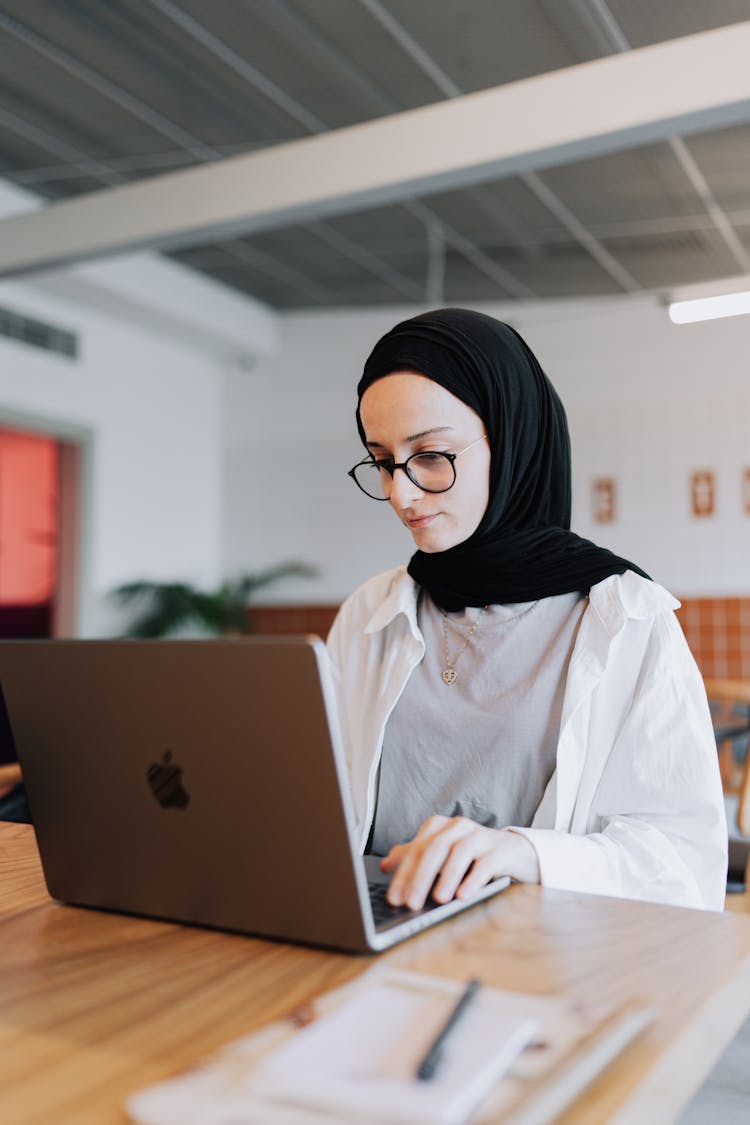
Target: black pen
[{"x": 429, "y": 1065}]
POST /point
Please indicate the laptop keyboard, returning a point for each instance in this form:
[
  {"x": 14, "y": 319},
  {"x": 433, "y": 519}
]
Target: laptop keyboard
[{"x": 382, "y": 911}]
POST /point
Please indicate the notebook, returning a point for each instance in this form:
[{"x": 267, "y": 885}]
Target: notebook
[{"x": 199, "y": 782}]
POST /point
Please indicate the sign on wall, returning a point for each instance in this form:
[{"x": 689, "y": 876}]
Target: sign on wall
[
  {"x": 604, "y": 499},
  {"x": 702, "y": 493}
]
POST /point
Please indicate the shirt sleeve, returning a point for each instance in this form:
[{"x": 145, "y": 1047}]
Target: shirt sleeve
[{"x": 657, "y": 827}]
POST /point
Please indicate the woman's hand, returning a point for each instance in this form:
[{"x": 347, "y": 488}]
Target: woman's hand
[{"x": 461, "y": 855}]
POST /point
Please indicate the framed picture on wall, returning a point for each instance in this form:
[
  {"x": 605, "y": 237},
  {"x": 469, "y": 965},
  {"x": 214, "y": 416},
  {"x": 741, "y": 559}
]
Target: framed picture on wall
[
  {"x": 603, "y": 499},
  {"x": 702, "y": 493}
]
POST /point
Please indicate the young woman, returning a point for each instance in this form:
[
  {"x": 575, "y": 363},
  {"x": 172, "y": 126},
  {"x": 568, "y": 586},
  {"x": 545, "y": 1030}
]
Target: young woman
[{"x": 516, "y": 701}]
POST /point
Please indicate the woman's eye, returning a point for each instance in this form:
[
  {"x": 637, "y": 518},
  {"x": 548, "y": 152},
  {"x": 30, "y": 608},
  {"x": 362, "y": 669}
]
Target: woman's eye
[{"x": 430, "y": 458}]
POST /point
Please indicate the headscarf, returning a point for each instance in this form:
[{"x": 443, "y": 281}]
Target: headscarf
[{"x": 523, "y": 548}]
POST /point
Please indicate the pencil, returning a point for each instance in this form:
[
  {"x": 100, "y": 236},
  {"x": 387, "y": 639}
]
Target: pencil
[{"x": 429, "y": 1065}]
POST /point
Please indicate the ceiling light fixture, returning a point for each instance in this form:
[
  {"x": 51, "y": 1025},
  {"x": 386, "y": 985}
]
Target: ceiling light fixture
[{"x": 709, "y": 308}]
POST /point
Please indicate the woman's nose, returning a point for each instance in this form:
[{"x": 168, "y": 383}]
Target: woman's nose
[{"x": 403, "y": 490}]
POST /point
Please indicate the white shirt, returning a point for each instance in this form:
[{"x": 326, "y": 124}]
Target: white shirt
[{"x": 634, "y": 807}]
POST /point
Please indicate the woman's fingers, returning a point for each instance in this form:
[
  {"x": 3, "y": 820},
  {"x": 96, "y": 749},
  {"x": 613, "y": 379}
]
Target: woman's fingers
[
  {"x": 511, "y": 854},
  {"x": 423, "y": 858},
  {"x": 394, "y": 857},
  {"x": 461, "y": 857},
  {"x": 398, "y": 851},
  {"x": 482, "y": 871},
  {"x": 456, "y": 857}
]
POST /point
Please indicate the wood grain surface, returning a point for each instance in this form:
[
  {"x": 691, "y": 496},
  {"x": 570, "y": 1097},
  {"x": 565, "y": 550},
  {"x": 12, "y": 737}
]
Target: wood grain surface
[
  {"x": 95, "y": 1005},
  {"x": 10, "y": 775}
]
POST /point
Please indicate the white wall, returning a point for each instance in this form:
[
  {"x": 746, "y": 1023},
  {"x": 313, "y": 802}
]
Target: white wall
[
  {"x": 290, "y": 439},
  {"x": 648, "y": 402},
  {"x": 145, "y": 398},
  {"x": 151, "y": 416}
]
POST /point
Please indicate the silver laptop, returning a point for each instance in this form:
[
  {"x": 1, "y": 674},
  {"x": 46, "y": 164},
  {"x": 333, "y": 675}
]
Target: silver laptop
[{"x": 201, "y": 782}]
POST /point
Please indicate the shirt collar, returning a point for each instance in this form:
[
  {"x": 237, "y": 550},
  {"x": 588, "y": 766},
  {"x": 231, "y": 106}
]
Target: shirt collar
[
  {"x": 628, "y": 595},
  {"x": 401, "y": 598},
  {"x": 617, "y": 598}
]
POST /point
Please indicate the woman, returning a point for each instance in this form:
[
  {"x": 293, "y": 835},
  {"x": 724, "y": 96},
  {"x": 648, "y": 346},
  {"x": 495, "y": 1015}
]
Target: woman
[{"x": 517, "y": 701}]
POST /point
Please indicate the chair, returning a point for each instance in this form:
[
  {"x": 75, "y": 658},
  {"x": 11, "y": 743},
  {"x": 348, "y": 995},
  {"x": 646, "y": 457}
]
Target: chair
[
  {"x": 729, "y": 699},
  {"x": 743, "y": 806},
  {"x": 730, "y": 706}
]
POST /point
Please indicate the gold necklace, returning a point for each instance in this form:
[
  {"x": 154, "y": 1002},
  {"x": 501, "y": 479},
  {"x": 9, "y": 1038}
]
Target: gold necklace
[{"x": 449, "y": 673}]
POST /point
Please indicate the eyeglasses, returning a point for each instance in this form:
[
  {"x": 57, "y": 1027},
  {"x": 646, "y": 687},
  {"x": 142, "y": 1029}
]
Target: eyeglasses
[{"x": 431, "y": 472}]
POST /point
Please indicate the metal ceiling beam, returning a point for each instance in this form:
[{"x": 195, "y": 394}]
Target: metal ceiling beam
[
  {"x": 189, "y": 143},
  {"x": 582, "y": 235},
  {"x": 435, "y": 280},
  {"x": 464, "y": 246},
  {"x": 266, "y": 264},
  {"x": 603, "y": 106},
  {"x": 128, "y": 167},
  {"x": 239, "y": 65},
  {"x": 409, "y": 44},
  {"x": 328, "y": 234},
  {"x": 45, "y": 174},
  {"x": 106, "y": 88},
  {"x": 445, "y": 84},
  {"x": 365, "y": 259},
  {"x": 352, "y": 250},
  {"x": 601, "y": 14},
  {"x": 436, "y": 240},
  {"x": 81, "y": 163},
  {"x": 349, "y": 249},
  {"x": 104, "y": 172},
  {"x": 332, "y": 56},
  {"x": 716, "y": 212},
  {"x": 645, "y": 229},
  {"x": 535, "y": 185}
]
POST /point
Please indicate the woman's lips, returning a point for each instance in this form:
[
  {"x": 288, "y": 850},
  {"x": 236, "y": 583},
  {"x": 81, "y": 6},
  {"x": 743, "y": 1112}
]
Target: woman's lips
[{"x": 419, "y": 522}]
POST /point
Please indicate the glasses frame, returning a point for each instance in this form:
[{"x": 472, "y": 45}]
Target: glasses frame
[{"x": 391, "y": 466}]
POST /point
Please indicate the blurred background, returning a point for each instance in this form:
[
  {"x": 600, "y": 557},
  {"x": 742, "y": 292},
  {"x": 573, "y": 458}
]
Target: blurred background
[{"x": 179, "y": 355}]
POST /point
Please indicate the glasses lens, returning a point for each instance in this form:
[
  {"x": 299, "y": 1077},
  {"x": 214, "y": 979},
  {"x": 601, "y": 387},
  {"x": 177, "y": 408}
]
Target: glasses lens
[
  {"x": 432, "y": 472},
  {"x": 372, "y": 480}
]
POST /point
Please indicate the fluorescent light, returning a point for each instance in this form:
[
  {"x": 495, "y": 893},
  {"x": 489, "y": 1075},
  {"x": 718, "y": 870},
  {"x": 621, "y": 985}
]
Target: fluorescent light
[{"x": 709, "y": 308}]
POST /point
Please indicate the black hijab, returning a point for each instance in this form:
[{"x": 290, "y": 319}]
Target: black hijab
[{"x": 523, "y": 548}]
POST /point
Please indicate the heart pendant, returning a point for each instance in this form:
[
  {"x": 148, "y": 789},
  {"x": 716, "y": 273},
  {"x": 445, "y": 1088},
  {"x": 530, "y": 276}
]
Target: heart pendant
[{"x": 449, "y": 676}]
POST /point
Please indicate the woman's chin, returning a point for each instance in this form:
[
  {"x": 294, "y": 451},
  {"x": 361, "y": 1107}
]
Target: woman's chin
[{"x": 431, "y": 542}]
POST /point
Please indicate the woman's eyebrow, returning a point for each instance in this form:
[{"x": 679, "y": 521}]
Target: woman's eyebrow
[{"x": 413, "y": 437}]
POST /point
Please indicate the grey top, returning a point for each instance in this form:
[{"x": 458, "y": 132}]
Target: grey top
[{"x": 483, "y": 746}]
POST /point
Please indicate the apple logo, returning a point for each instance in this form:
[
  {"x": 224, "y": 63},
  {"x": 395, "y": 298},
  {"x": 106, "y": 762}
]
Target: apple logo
[{"x": 165, "y": 779}]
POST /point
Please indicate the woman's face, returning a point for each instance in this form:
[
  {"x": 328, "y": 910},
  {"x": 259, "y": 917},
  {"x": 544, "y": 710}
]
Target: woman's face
[{"x": 407, "y": 413}]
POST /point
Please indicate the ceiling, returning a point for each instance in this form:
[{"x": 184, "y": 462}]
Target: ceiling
[{"x": 96, "y": 94}]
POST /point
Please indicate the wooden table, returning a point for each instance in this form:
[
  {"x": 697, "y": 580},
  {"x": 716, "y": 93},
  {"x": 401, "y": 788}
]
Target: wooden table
[
  {"x": 10, "y": 775},
  {"x": 94, "y": 1005}
]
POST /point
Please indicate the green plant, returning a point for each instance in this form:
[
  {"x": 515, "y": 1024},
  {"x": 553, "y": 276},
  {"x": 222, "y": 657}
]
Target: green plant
[{"x": 166, "y": 607}]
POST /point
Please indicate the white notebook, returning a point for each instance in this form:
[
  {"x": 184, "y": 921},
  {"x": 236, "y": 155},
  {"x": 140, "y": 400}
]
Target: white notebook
[
  {"x": 361, "y": 1059},
  {"x": 356, "y": 1070}
]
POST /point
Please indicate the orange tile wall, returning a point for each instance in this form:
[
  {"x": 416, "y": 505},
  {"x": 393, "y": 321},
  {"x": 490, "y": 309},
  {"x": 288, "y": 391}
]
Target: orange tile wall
[{"x": 718, "y": 632}]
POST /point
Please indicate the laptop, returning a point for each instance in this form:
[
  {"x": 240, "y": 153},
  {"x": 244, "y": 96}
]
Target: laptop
[{"x": 199, "y": 782}]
